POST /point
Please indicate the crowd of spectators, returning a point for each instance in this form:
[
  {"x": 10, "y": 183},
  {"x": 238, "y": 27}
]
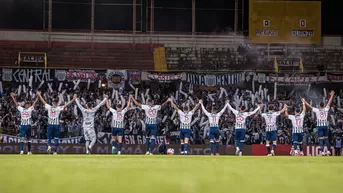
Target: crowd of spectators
[{"x": 168, "y": 122}]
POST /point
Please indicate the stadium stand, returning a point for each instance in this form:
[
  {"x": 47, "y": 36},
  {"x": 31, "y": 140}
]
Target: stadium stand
[{"x": 76, "y": 55}]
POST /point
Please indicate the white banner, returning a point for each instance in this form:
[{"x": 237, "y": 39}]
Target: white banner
[
  {"x": 105, "y": 138},
  {"x": 14, "y": 139},
  {"x": 215, "y": 79},
  {"x": 296, "y": 79},
  {"x": 161, "y": 77}
]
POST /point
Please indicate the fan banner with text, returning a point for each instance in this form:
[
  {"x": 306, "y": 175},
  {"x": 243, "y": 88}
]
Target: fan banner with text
[
  {"x": 284, "y": 150},
  {"x": 294, "y": 22}
]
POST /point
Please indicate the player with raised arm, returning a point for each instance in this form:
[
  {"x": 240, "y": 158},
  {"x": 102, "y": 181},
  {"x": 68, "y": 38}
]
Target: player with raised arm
[
  {"x": 213, "y": 119},
  {"x": 117, "y": 125},
  {"x": 54, "y": 112},
  {"x": 88, "y": 114},
  {"x": 151, "y": 122},
  {"x": 240, "y": 126},
  {"x": 298, "y": 129},
  {"x": 322, "y": 123},
  {"x": 26, "y": 122},
  {"x": 185, "y": 125},
  {"x": 270, "y": 118}
]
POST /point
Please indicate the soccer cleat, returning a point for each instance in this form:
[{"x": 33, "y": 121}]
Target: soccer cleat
[
  {"x": 186, "y": 153},
  {"x": 323, "y": 154},
  {"x": 119, "y": 153},
  {"x": 296, "y": 153},
  {"x": 29, "y": 153},
  {"x": 88, "y": 152},
  {"x": 269, "y": 155},
  {"x": 328, "y": 153},
  {"x": 151, "y": 154},
  {"x": 240, "y": 154},
  {"x": 147, "y": 153},
  {"x": 217, "y": 154},
  {"x": 114, "y": 151},
  {"x": 55, "y": 153},
  {"x": 237, "y": 151},
  {"x": 21, "y": 152},
  {"x": 272, "y": 152},
  {"x": 182, "y": 153},
  {"x": 48, "y": 150},
  {"x": 292, "y": 152},
  {"x": 301, "y": 153}
]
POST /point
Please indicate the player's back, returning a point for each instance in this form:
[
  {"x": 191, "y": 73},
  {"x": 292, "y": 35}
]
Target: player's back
[
  {"x": 297, "y": 122},
  {"x": 322, "y": 116},
  {"x": 241, "y": 118},
  {"x": 118, "y": 118},
  {"x": 25, "y": 115},
  {"x": 88, "y": 118},
  {"x": 185, "y": 119},
  {"x": 53, "y": 114},
  {"x": 270, "y": 119},
  {"x": 151, "y": 113}
]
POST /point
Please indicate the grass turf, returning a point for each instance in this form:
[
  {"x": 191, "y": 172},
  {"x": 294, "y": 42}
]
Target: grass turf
[{"x": 168, "y": 174}]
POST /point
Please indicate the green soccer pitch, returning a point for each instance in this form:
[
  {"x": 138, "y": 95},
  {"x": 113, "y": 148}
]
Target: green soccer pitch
[{"x": 169, "y": 174}]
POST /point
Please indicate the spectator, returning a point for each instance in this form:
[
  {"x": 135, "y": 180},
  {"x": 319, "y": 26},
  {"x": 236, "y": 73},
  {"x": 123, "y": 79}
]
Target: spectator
[{"x": 338, "y": 146}]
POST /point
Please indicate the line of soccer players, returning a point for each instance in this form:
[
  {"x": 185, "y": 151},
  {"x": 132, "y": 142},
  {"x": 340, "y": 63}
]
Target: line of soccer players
[{"x": 151, "y": 112}]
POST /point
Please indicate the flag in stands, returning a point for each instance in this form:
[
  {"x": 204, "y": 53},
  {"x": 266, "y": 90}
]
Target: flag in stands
[
  {"x": 301, "y": 65},
  {"x": 276, "y": 65}
]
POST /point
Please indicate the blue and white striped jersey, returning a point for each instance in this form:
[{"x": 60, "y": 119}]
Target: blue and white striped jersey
[
  {"x": 151, "y": 113},
  {"x": 26, "y": 115},
  {"x": 185, "y": 119},
  {"x": 270, "y": 120},
  {"x": 53, "y": 114},
  {"x": 118, "y": 118},
  {"x": 241, "y": 117},
  {"x": 213, "y": 118},
  {"x": 322, "y": 116},
  {"x": 297, "y": 122}
]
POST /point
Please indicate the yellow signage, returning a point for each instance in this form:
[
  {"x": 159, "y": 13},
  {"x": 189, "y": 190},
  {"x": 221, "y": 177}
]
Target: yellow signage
[{"x": 293, "y": 22}]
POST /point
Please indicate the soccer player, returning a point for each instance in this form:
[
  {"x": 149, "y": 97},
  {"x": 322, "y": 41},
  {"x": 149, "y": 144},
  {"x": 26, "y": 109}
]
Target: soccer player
[
  {"x": 270, "y": 118},
  {"x": 26, "y": 122},
  {"x": 322, "y": 123},
  {"x": 185, "y": 125},
  {"x": 150, "y": 121},
  {"x": 54, "y": 112},
  {"x": 117, "y": 125},
  {"x": 213, "y": 119},
  {"x": 240, "y": 126},
  {"x": 297, "y": 132},
  {"x": 88, "y": 114}
]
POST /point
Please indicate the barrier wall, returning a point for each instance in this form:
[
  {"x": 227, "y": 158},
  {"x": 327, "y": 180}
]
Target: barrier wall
[
  {"x": 284, "y": 150},
  {"x": 254, "y": 150},
  {"x": 127, "y": 149}
]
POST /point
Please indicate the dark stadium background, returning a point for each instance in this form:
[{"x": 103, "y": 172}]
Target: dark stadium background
[{"x": 170, "y": 15}]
